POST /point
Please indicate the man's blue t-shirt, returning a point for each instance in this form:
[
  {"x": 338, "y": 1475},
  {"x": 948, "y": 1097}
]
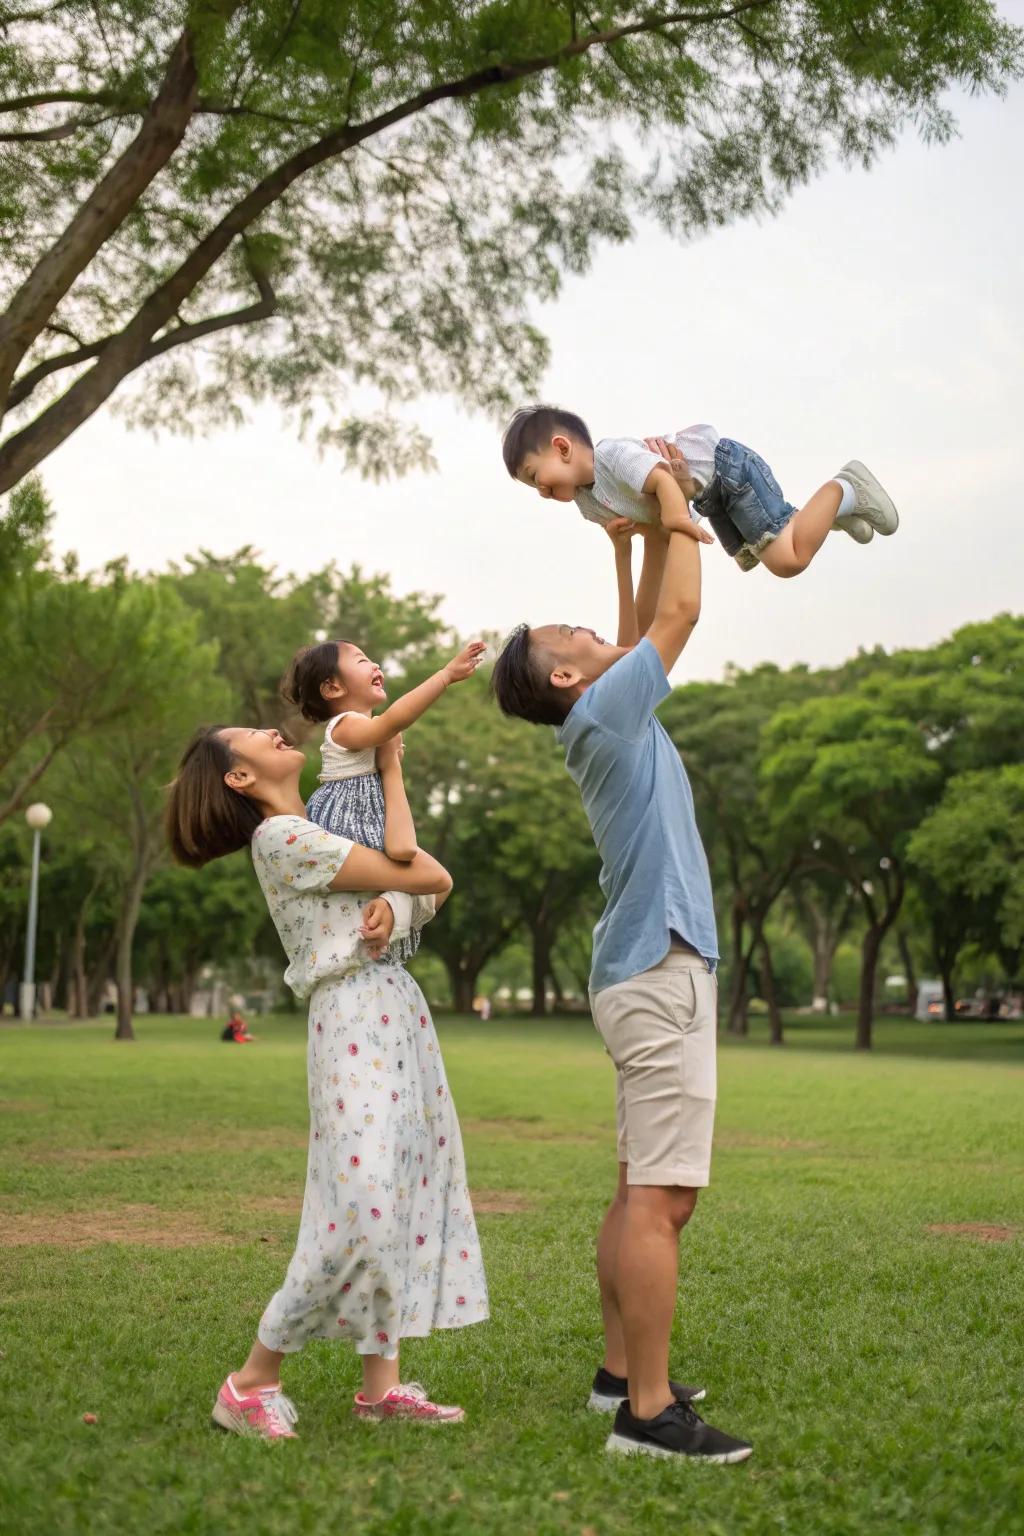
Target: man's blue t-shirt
[{"x": 640, "y": 806}]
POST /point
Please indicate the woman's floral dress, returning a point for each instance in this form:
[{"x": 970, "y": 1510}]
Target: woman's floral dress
[{"x": 387, "y": 1246}]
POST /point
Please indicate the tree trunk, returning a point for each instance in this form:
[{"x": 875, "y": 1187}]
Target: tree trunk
[
  {"x": 541, "y": 958},
  {"x": 739, "y": 972},
  {"x": 870, "y": 947},
  {"x": 98, "y": 978},
  {"x": 910, "y": 971},
  {"x": 462, "y": 979},
  {"x": 78, "y": 993},
  {"x": 126, "y": 924},
  {"x": 771, "y": 995},
  {"x": 948, "y": 993}
]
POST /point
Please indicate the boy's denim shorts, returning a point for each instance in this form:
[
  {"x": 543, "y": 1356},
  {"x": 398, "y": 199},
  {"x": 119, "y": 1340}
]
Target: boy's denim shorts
[{"x": 743, "y": 503}]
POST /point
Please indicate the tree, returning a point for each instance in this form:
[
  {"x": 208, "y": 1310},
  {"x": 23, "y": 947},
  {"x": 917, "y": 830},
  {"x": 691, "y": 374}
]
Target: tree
[
  {"x": 822, "y": 902},
  {"x": 376, "y": 191},
  {"x": 544, "y": 848},
  {"x": 970, "y": 853},
  {"x": 113, "y": 783},
  {"x": 455, "y": 767},
  {"x": 190, "y": 919},
  {"x": 717, "y": 727},
  {"x": 850, "y": 776},
  {"x": 70, "y": 645}
]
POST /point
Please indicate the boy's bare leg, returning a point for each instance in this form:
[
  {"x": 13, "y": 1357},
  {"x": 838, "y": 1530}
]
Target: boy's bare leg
[
  {"x": 804, "y": 534},
  {"x": 608, "y": 1241}
]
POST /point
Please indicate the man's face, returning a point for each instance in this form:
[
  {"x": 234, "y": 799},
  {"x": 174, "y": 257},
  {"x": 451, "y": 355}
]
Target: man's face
[
  {"x": 577, "y": 655},
  {"x": 557, "y": 472}
]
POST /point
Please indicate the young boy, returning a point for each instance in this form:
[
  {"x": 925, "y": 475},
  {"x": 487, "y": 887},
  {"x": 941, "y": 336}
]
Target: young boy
[{"x": 552, "y": 451}]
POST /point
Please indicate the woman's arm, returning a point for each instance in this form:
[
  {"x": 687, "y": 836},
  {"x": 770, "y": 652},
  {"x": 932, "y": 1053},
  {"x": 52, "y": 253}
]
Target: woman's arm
[
  {"x": 366, "y": 870},
  {"x": 358, "y": 731},
  {"x": 399, "y": 828}
]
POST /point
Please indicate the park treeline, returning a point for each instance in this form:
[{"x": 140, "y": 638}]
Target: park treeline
[{"x": 880, "y": 803}]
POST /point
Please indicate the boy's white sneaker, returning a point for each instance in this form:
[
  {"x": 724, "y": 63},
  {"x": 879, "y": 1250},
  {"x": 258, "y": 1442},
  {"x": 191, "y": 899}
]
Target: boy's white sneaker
[
  {"x": 855, "y": 526},
  {"x": 873, "y": 505}
]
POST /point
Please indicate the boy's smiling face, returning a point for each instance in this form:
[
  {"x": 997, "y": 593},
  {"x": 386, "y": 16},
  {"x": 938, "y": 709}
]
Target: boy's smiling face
[{"x": 558, "y": 471}]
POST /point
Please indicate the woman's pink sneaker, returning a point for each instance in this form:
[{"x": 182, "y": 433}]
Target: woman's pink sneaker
[
  {"x": 406, "y": 1402},
  {"x": 266, "y": 1414}
]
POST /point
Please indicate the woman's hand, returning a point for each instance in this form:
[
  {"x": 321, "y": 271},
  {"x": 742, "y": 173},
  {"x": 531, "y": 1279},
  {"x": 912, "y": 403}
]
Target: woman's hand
[
  {"x": 465, "y": 663},
  {"x": 377, "y": 925}
]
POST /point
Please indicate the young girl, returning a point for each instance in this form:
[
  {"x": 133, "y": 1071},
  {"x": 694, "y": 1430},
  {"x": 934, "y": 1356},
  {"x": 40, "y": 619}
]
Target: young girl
[
  {"x": 387, "y": 1246},
  {"x": 362, "y": 789}
]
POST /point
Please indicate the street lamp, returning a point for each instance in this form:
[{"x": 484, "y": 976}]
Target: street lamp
[{"x": 38, "y": 816}]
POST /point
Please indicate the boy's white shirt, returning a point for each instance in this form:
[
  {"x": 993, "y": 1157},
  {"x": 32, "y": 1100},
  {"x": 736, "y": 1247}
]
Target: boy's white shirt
[{"x": 622, "y": 466}]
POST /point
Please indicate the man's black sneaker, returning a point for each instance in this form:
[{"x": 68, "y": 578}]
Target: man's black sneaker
[
  {"x": 678, "y": 1431},
  {"x": 609, "y": 1391}
]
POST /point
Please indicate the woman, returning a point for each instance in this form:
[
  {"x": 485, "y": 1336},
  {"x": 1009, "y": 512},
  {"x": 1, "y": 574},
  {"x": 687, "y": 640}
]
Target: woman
[{"x": 387, "y": 1246}]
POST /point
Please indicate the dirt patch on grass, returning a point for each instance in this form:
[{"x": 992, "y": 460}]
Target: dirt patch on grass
[
  {"x": 768, "y": 1143},
  {"x": 980, "y": 1231},
  {"x": 240, "y": 1143},
  {"x": 499, "y": 1202},
  {"x": 145, "y": 1225},
  {"x": 526, "y": 1130},
  {"x": 276, "y": 1205}
]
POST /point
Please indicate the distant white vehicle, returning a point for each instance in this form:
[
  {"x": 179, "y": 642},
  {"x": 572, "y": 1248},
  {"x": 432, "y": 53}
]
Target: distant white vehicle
[{"x": 928, "y": 994}]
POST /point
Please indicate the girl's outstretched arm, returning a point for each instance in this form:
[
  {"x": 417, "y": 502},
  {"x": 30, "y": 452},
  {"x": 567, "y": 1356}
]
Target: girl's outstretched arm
[
  {"x": 358, "y": 731},
  {"x": 399, "y": 828}
]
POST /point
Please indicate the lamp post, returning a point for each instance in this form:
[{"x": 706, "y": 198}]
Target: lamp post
[{"x": 38, "y": 816}]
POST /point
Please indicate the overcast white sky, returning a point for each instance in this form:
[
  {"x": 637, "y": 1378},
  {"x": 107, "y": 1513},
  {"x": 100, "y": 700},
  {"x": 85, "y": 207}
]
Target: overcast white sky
[{"x": 879, "y": 317}]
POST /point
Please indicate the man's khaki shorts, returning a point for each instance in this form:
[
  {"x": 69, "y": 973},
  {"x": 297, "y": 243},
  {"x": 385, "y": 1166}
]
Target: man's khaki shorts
[{"x": 660, "y": 1031}]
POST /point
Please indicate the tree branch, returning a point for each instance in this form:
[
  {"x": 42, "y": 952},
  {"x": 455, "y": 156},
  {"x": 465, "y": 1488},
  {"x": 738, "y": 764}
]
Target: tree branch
[
  {"x": 27, "y": 448},
  {"x": 102, "y": 213},
  {"x": 180, "y": 336}
]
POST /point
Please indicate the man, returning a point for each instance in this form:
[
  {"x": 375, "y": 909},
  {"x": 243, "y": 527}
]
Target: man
[{"x": 653, "y": 987}]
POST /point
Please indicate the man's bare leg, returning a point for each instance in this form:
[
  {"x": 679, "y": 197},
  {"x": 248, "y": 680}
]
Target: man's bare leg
[
  {"x": 645, "y": 1281},
  {"x": 608, "y": 1241}
]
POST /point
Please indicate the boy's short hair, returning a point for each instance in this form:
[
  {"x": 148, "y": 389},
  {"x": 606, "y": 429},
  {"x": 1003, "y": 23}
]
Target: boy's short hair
[
  {"x": 521, "y": 682},
  {"x": 531, "y": 431}
]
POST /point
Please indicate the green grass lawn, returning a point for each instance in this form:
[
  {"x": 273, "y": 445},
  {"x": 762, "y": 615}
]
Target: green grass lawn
[{"x": 149, "y": 1195}]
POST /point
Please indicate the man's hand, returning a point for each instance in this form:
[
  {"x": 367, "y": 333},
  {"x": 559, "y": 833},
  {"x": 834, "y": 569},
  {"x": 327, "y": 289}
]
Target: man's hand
[
  {"x": 465, "y": 663},
  {"x": 390, "y": 753},
  {"x": 676, "y": 462},
  {"x": 621, "y": 530},
  {"x": 375, "y": 930}
]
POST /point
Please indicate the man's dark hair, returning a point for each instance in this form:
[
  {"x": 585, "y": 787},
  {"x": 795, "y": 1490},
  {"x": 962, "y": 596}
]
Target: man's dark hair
[
  {"x": 531, "y": 431},
  {"x": 521, "y": 682}
]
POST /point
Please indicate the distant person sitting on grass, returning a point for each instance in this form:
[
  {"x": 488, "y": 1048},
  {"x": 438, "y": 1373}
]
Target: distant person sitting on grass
[
  {"x": 653, "y": 986},
  {"x": 387, "y": 1246},
  {"x": 237, "y": 1029}
]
